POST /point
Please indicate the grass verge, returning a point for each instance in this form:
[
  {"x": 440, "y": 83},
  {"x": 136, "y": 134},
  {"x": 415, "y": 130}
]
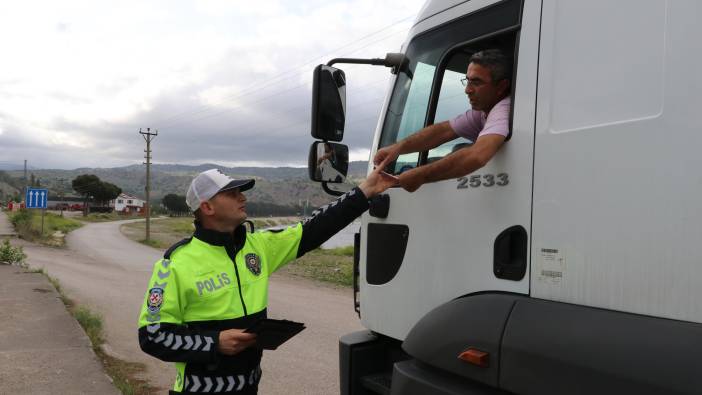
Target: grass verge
[
  {"x": 164, "y": 233},
  {"x": 28, "y": 226},
  {"x": 124, "y": 374},
  {"x": 333, "y": 266}
]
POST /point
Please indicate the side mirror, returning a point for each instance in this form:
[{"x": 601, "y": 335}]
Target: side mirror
[
  {"x": 328, "y": 103},
  {"x": 328, "y": 162}
]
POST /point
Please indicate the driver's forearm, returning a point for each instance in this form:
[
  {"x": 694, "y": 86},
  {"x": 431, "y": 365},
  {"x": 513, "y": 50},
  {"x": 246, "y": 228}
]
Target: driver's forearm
[
  {"x": 454, "y": 165},
  {"x": 428, "y": 138}
]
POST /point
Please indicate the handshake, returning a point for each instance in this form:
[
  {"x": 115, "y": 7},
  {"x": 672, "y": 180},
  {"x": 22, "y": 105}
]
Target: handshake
[{"x": 378, "y": 181}]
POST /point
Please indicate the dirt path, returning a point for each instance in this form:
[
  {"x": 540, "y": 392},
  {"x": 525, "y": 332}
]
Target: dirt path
[{"x": 106, "y": 271}]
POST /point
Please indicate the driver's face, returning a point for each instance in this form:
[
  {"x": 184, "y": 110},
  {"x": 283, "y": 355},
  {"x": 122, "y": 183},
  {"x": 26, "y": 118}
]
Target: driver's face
[{"x": 483, "y": 93}]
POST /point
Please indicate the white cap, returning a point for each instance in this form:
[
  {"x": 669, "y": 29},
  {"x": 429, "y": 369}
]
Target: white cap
[{"x": 209, "y": 183}]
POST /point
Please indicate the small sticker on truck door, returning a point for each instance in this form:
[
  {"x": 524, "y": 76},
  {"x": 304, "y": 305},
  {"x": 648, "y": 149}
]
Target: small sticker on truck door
[{"x": 551, "y": 265}]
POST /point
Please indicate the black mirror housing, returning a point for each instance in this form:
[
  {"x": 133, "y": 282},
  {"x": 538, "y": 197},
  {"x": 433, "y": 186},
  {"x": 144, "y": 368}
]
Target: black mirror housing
[
  {"x": 328, "y": 162},
  {"x": 328, "y": 103}
]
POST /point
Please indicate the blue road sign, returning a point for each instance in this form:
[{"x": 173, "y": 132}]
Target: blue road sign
[{"x": 36, "y": 198}]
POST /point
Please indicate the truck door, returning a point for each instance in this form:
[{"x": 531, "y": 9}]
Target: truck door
[{"x": 458, "y": 236}]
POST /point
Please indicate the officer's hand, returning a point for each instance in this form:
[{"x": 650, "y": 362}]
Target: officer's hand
[
  {"x": 377, "y": 182},
  {"x": 234, "y": 341}
]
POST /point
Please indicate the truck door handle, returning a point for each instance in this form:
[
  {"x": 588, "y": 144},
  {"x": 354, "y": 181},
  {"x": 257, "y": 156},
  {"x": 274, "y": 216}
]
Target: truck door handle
[{"x": 510, "y": 254}]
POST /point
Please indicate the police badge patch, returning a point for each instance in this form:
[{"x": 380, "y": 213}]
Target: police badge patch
[
  {"x": 155, "y": 300},
  {"x": 253, "y": 263}
]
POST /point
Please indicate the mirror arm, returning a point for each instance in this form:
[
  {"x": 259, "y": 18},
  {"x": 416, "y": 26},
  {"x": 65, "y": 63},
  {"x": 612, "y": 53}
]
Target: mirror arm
[
  {"x": 331, "y": 191},
  {"x": 394, "y": 60}
]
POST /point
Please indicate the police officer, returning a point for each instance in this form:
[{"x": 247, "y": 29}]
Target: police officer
[{"x": 211, "y": 286}]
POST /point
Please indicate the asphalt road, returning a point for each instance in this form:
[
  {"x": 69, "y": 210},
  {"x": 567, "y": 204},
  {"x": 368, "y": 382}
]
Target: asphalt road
[{"x": 104, "y": 270}]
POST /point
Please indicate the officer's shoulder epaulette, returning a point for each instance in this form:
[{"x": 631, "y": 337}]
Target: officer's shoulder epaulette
[{"x": 169, "y": 251}]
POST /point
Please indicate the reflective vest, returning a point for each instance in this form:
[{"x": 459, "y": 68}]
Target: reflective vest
[{"x": 208, "y": 288}]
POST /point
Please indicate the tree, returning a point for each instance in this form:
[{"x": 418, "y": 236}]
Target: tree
[
  {"x": 85, "y": 184},
  {"x": 175, "y": 203},
  {"x": 105, "y": 191}
]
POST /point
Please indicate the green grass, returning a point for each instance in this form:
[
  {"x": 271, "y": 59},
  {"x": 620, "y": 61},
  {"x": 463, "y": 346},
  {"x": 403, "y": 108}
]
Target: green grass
[
  {"x": 28, "y": 224},
  {"x": 153, "y": 243},
  {"x": 91, "y": 323},
  {"x": 340, "y": 251},
  {"x": 164, "y": 232},
  {"x": 333, "y": 266},
  {"x": 53, "y": 223},
  {"x": 262, "y": 223}
]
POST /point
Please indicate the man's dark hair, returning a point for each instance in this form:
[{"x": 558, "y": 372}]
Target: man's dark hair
[{"x": 500, "y": 65}]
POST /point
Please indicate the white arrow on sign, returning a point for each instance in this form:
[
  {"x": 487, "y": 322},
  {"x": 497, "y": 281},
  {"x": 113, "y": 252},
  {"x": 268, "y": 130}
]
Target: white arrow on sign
[{"x": 42, "y": 201}]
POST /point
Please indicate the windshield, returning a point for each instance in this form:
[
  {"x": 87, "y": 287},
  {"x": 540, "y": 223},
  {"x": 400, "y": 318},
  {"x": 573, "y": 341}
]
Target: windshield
[{"x": 410, "y": 99}]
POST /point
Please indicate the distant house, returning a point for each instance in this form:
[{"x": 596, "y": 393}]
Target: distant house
[{"x": 127, "y": 204}]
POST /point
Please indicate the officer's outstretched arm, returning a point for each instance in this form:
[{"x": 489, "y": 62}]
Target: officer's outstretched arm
[
  {"x": 330, "y": 219},
  {"x": 161, "y": 333},
  {"x": 282, "y": 246}
]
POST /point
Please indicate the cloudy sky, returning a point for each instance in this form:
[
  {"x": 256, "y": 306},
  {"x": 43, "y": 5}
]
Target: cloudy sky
[{"x": 222, "y": 81}]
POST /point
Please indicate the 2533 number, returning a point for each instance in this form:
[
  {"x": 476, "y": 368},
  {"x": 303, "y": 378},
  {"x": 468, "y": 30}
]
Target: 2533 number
[{"x": 486, "y": 180}]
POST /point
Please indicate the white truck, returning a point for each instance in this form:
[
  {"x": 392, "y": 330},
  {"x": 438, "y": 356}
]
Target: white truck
[{"x": 572, "y": 262}]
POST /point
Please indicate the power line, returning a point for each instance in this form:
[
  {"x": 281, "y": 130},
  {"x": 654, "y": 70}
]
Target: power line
[
  {"x": 262, "y": 99},
  {"x": 270, "y": 82},
  {"x": 244, "y": 104}
]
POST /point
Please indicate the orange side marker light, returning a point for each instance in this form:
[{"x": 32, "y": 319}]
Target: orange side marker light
[{"x": 475, "y": 357}]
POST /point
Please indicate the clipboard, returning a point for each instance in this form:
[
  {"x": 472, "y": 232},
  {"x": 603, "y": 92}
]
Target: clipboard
[{"x": 270, "y": 333}]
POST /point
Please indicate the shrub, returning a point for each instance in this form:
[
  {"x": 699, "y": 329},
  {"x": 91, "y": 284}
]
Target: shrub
[
  {"x": 22, "y": 220},
  {"x": 21, "y": 217},
  {"x": 10, "y": 255}
]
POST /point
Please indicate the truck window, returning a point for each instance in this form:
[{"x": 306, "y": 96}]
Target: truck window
[
  {"x": 452, "y": 101},
  {"x": 408, "y": 110}
]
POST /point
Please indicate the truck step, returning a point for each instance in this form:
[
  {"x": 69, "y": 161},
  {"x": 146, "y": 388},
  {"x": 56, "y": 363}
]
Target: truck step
[{"x": 378, "y": 383}]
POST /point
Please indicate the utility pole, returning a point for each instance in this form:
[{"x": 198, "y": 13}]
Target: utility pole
[
  {"x": 26, "y": 185},
  {"x": 148, "y": 136},
  {"x": 61, "y": 180}
]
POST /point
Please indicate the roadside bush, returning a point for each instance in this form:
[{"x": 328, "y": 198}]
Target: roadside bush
[
  {"x": 28, "y": 226},
  {"x": 10, "y": 255},
  {"x": 22, "y": 220},
  {"x": 20, "y": 217}
]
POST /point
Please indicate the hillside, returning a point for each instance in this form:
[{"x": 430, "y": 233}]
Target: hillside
[
  {"x": 9, "y": 186},
  {"x": 286, "y": 186}
]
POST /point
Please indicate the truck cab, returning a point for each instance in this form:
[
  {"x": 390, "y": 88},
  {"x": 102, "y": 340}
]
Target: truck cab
[{"x": 570, "y": 262}]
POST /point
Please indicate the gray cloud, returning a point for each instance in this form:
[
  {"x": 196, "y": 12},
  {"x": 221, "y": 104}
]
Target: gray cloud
[{"x": 265, "y": 117}]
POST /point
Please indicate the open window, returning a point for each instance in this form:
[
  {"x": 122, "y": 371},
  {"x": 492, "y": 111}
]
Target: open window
[{"x": 430, "y": 91}]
